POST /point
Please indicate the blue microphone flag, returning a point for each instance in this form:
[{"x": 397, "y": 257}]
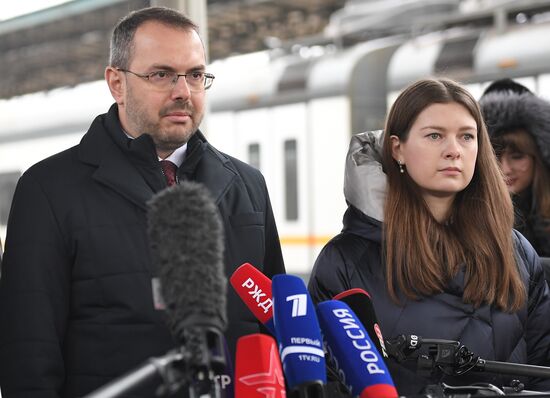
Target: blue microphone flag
[
  {"x": 297, "y": 331},
  {"x": 358, "y": 361}
]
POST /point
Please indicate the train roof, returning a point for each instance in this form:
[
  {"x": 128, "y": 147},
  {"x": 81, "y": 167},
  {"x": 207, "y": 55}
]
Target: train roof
[
  {"x": 297, "y": 77},
  {"x": 473, "y": 55},
  {"x": 361, "y": 72},
  {"x": 60, "y": 111}
]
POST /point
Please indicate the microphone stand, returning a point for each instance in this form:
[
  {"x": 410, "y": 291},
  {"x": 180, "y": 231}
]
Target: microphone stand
[
  {"x": 512, "y": 368},
  {"x": 165, "y": 366},
  {"x": 194, "y": 366},
  {"x": 455, "y": 359}
]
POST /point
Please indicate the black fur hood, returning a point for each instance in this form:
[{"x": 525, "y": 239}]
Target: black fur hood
[{"x": 507, "y": 110}]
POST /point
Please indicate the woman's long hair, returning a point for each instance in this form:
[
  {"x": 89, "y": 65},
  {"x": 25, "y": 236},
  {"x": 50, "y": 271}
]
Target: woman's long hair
[
  {"x": 521, "y": 141},
  {"x": 421, "y": 254}
]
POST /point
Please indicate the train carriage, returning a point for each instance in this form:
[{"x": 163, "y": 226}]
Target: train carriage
[{"x": 292, "y": 115}]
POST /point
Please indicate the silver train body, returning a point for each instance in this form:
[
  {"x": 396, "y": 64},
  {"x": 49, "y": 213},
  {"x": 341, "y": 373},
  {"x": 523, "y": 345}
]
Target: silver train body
[{"x": 292, "y": 116}]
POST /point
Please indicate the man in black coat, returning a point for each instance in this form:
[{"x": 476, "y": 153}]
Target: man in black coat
[{"x": 76, "y": 303}]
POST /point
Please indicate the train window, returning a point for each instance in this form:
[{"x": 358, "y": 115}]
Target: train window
[
  {"x": 291, "y": 180},
  {"x": 456, "y": 55},
  {"x": 254, "y": 155},
  {"x": 8, "y": 181},
  {"x": 295, "y": 76}
]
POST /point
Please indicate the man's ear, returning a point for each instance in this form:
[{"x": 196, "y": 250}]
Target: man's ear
[
  {"x": 396, "y": 148},
  {"x": 116, "y": 83}
]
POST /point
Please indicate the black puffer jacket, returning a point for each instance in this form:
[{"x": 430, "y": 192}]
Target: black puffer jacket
[{"x": 353, "y": 259}]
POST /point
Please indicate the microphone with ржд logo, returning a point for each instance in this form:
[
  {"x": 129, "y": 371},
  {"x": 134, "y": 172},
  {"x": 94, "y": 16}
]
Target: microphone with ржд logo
[
  {"x": 186, "y": 238},
  {"x": 299, "y": 337},
  {"x": 254, "y": 289}
]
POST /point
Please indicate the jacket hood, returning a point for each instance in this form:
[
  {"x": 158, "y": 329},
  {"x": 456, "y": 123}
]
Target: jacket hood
[
  {"x": 364, "y": 180},
  {"x": 365, "y": 186},
  {"x": 507, "y": 110}
]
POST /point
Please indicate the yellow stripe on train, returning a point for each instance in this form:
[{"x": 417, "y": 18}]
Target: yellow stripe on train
[{"x": 310, "y": 240}]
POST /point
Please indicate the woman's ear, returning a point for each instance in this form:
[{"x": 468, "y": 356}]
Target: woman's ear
[
  {"x": 395, "y": 148},
  {"x": 117, "y": 85}
]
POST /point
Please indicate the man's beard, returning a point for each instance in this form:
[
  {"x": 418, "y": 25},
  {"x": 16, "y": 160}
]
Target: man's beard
[{"x": 165, "y": 140}]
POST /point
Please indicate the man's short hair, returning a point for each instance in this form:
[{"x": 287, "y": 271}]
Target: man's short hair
[{"x": 122, "y": 40}]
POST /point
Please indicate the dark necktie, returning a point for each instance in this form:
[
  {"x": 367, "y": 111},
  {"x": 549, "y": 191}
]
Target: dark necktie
[{"x": 169, "y": 171}]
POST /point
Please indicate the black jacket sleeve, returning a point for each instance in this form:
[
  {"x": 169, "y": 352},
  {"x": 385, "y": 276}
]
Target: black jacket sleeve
[
  {"x": 273, "y": 261},
  {"x": 34, "y": 291},
  {"x": 256, "y": 187}
]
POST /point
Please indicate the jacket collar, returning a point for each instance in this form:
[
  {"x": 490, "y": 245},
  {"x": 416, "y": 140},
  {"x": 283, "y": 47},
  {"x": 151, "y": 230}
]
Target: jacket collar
[
  {"x": 215, "y": 170},
  {"x": 114, "y": 169},
  {"x": 204, "y": 163},
  {"x": 358, "y": 223}
]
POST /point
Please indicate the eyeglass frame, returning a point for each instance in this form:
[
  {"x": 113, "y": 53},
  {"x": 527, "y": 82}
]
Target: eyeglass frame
[{"x": 147, "y": 76}]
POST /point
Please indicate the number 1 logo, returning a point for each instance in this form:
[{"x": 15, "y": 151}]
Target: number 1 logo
[{"x": 299, "y": 304}]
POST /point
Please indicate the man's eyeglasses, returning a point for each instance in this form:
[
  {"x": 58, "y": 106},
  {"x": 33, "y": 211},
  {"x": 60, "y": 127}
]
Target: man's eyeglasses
[{"x": 165, "y": 80}]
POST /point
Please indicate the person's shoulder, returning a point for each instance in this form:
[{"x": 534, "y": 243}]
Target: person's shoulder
[
  {"x": 46, "y": 175},
  {"x": 348, "y": 246},
  {"x": 338, "y": 263},
  {"x": 350, "y": 240},
  {"x": 53, "y": 165},
  {"x": 242, "y": 168},
  {"x": 527, "y": 255},
  {"x": 522, "y": 245},
  {"x": 245, "y": 168}
]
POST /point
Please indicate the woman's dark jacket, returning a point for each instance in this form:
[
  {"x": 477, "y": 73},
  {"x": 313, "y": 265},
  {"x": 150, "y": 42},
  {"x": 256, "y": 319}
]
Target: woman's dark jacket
[
  {"x": 76, "y": 303},
  {"x": 353, "y": 260},
  {"x": 534, "y": 227}
]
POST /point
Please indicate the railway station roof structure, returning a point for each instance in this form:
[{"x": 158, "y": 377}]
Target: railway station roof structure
[{"x": 68, "y": 44}]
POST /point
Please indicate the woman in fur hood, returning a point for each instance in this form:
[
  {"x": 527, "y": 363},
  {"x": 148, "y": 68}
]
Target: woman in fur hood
[{"x": 519, "y": 126}]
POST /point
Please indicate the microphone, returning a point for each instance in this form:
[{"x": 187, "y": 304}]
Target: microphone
[
  {"x": 254, "y": 289},
  {"x": 456, "y": 358},
  {"x": 258, "y": 371},
  {"x": 186, "y": 238},
  {"x": 225, "y": 378},
  {"x": 359, "y": 363},
  {"x": 361, "y": 304},
  {"x": 299, "y": 337},
  {"x": 185, "y": 234}
]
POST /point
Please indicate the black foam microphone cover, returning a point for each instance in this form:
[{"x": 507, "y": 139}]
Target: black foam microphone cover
[{"x": 186, "y": 239}]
